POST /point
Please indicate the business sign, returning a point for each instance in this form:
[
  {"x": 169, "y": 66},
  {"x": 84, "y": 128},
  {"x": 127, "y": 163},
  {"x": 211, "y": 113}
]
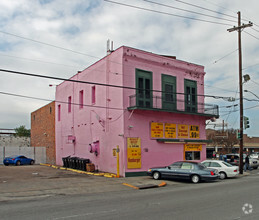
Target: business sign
[
  {"x": 183, "y": 131},
  {"x": 157, "y": 130},
  {"x": 193, "y": 147},
  {"x": 133, "y": 153},
  {"x": 170, "y": 130},
  {"x": 194, "y": 131}
]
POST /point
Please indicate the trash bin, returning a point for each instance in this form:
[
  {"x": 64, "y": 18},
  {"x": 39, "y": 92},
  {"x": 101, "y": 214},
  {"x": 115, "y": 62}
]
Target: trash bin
[
  {"x": 84, "y": 162},
  {"x": 65, "y": 161}
]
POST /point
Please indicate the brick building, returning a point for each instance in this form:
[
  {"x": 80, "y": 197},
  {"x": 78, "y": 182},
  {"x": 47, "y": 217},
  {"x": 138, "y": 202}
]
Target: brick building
[{"x": 43, "y": 130}]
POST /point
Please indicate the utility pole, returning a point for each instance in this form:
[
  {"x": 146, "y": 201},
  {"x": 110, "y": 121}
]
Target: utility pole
[{"x": 241, "y": 143}]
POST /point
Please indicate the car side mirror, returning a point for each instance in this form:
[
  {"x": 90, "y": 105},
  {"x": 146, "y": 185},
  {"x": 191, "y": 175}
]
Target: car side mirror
[{"x": 169, "y": 168}]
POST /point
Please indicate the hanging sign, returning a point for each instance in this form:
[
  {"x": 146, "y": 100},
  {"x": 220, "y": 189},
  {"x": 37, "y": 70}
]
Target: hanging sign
[{"x": 193, "y": 147}]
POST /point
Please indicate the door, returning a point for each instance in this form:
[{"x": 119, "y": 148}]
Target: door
[
  {"x": 168, "y": 92},
  {"x": 190, "y": 95},
  {"x": 144, "y": 89}
]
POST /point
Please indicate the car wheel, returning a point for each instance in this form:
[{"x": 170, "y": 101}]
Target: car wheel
[
  {"x": 18, "y": 163},
  {"x": 195, "y": 178},
  {"x": 156, "y": 175},
  {"x": 32, "y": 162},
  {"x": 6, "y": 164},
  {"x": 222, "y": 175}
]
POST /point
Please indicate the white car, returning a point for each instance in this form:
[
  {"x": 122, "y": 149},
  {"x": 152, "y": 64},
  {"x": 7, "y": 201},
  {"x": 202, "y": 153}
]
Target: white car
[
  {"x": 254, "y": 155},
  {"x": 225, "y": 169}
]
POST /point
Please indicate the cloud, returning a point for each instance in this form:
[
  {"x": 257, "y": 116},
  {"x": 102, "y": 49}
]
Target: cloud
[{"x": 85, "y": 26}]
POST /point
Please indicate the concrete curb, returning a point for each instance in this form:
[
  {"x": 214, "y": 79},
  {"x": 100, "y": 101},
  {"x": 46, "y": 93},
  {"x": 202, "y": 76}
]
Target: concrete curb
[
  {"x": 107, "y": 175},
  {"x": 149, "y": 186}
]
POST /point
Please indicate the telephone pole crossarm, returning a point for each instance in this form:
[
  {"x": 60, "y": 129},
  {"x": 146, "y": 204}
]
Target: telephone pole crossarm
[{"x": 250, "y": 24}]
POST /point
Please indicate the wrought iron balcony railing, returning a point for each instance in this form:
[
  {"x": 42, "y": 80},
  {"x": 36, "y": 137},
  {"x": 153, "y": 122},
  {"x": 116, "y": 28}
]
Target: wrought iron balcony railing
[{"x": 170, "y": 104}]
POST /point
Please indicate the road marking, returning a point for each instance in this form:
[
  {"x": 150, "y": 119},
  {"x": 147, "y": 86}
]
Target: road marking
[{"x": 86, "y": 214}]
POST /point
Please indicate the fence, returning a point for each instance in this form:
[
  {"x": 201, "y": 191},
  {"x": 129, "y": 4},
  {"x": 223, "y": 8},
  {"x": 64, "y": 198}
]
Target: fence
[{"x": 36, "y": 153}]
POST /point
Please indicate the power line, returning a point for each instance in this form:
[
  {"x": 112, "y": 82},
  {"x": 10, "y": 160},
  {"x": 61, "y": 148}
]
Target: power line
[
  {"x": 51, "y": 45},
  {"x": 197, "y": 6},
  {"x": 41, "y": 61},
  {"x": 62, "y": 102},
  {"x": 102, "y": 84},
  {"x": 251, "y": 35},
  {"x": 169, "y": 6},
  {"x": 165, "y": 13}
]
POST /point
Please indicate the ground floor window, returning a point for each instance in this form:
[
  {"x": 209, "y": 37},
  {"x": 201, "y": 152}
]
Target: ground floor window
[{"x": 192, "y": 155}]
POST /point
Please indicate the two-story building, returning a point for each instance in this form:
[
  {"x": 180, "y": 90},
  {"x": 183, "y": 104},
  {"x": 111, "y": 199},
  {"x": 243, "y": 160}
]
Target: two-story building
[{"x": 150, "y": 106}]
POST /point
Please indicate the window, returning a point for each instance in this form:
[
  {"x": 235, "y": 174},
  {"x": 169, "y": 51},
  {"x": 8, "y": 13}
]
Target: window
[
  {"x": 190, "y": 95},
  {"x": 187, "y": 166},
  {"x": 69, "y": 103},
  {"x": 144, "y": 97},
  {"x": 59, "y": 112},
  {"x": 192, "y": 155},
  {"x": 215, "y": 164},
  {"x": 81, "y": 99},
  {"x": 168, "y": 92},
  {"x": 176, "y": 165},
  {"x": 50, "y": 110},
  {"x": 93, "y": 95}
]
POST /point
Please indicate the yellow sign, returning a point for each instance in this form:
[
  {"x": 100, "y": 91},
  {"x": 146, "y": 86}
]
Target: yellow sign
[
  {"x": 183, "y": 131},
  {"x": 133, "y": 153},
  {"x": 193, "y": 147},
  {"x": 114, "y": 152},
  {"x": 194, "y": 131},
  {"x": 157, "y": 130},
  {"x": 170, "y": 130}
]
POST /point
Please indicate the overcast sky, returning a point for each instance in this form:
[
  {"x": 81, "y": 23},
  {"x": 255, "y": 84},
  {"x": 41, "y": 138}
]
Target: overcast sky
[{"x": 82, "y": 27}]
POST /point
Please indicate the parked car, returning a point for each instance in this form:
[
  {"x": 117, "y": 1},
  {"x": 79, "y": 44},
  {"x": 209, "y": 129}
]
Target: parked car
[
  {"x": 252, "y": 162},
  {"x": 18, "y": 160},
  {"x": 225, "y": 169},
  {"x": 254, "y": 155},
  {"x": 192, "y": 171}
]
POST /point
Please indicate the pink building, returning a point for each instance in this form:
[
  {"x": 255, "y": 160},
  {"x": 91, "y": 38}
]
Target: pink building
[{"x": 153, "y": 110}]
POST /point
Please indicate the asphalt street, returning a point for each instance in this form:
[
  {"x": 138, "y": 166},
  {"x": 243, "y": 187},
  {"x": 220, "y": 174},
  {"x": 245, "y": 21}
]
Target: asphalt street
[{"x": 235, "y": 198}]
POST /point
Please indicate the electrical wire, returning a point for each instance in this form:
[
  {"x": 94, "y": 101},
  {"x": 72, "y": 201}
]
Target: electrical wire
[
  {"x": 252, "y": 35},
  {"x": 169, "y": 6},
  {"x": 62, "y": 102},
  {"x": 165, "y": 13},
  {"x": 103, "y": 84}
]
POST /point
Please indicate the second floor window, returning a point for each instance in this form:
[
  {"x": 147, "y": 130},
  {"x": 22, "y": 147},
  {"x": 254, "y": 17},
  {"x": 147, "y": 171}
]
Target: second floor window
[
  {"x": 93, "y": 95},
  {"x": 69, "y": 103},
  {"x": 59, "y": 112},
  {"x": 81, "y": 99}
]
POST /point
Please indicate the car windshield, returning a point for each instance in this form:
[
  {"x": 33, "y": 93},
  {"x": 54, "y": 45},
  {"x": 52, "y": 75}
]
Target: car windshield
[{"x": 227, "y": 164}]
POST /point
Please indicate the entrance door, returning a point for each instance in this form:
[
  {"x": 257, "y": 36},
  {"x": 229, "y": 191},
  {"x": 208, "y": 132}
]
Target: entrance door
[
  {"x": 168, "y": 92},
  {"x": 144, "y": 89},
  {"x": 190, "y": 95}
]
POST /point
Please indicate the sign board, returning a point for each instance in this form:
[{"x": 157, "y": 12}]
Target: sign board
[
  {"x": 114, "y": 152},
  {"x": 183, "y": 131},
  {"x": 194, "y": 131},
  {"x": 133, "y": 153},
  {"x": 192, "y": 147},
  {"x": 170, "y": 130},
  {"x": 157, "y": 130}
]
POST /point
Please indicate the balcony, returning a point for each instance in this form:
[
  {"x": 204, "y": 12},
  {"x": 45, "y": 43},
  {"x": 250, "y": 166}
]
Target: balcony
[{"x": 168, "y": 103}]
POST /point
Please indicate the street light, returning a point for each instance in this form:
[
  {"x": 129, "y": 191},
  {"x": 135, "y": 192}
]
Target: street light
[{"x": 251, "y": 93}]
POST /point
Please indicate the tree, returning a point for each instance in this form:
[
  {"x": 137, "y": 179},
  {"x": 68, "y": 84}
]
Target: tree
[
  {"x": 226, "y": 139},
  {"x": 22, "y": 131}
]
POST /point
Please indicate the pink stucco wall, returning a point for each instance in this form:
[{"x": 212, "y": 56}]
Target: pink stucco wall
[{"x": 108, "y": 120}]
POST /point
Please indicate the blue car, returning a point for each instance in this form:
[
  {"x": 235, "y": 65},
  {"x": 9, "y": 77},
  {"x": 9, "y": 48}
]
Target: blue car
[
  {"x": 184, "y": 170},
  {"x": 18, "y": 160}
]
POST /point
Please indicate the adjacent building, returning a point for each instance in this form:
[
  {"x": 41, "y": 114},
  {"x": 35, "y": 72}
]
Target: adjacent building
[
  {"x": 148, "y": 109},
  {"x": 43, "y": 130}
]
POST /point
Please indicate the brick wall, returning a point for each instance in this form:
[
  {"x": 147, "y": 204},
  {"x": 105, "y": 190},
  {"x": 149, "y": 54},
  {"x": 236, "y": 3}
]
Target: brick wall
[{"x": 43, "y": 130}]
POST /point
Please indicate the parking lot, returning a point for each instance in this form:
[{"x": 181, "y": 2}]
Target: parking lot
[{"x": 21, "y": 182}]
